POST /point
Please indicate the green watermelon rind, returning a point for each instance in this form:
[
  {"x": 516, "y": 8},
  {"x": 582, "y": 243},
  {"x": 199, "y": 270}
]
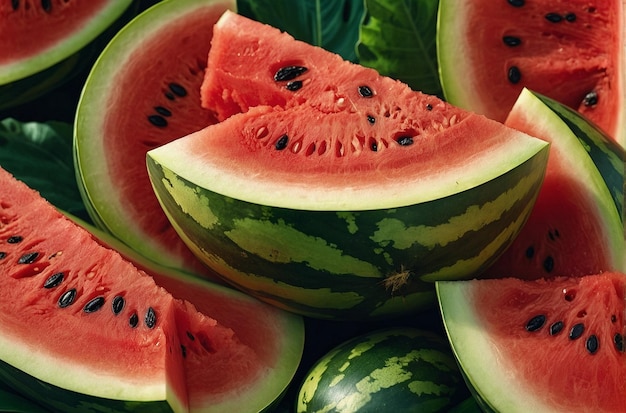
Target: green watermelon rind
[
  {"x": 598, "y": 163},
  {"x": 337, "y": 264},
  {"x": 292, "y": 324},
  {"x": 105, "y": 210},
  {"x": 263, "y": 394},
  {"x": 397, "y": 368},
  {"x": 70, "y": 45},
  {"x": 608, "y": 157},
  {"x": 26, "y": 89}
]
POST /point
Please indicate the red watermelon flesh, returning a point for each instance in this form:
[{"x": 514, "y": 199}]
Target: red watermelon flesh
[
  {"x": 541, "y": 345},
  {"x": 153, "y": 70},
  {"x": 53, "y": 23},
  {"x": 570, "y": 230},
  {"x": 247, "y": 57},
  {"x": 570, "y": 50},
  {"x": 155, "y": 347}
]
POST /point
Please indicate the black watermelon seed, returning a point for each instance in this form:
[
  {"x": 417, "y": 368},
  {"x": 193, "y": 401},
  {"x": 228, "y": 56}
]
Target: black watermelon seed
[
  {"x": 553, "y": 17},
  {"x": 15, "y": 239},
  {"x": 516, "y": 3},
  {"x": 94, "y": 305},
  {"x": 118, "y": 304},
  {"x": 169, "y": 95},
  {"x": 67, "y": 298},
  {"x": 54, "y": 280},
  {"x": 177, "y": 89},
  {"x": 371, "y": 119},
  {"x": 15, "y": 4},
  {"x": 536, "y": 322},
  {"x": 405, "y": 140},
  {"x": 511, "y": 41},
  {"x": 281, "y": 143},
  {"x": 576, "y": 331},
  {"x": 190, "y": 335},
  {"x": 2, "y": 254},
  {"x": 530, "y": 252},
  {"x": 556, "y": 328},
  {"x": 613, "y": 318},
  {"x": 183, "y": 351},
  {"x": 289, "y": 73},
  {"x": 28, "y": 258},
  {"x": 570, "y": 17},
  {"x": 514, "y": 75},
  {"x": 294, "y": 85},
  {"x": 592, "y": 344},
  {"x": 365, "y": 91},
  {"x": 590, "y": 99},
  {"x": 46, "y": 5},
  {"x": 548, "y": 264},
  {"x": 150, "y": 318},
  {"x": 158, "y": 121},
  {"x": 163, "y": 111},
  {"x": 618, "y": 341},
  {"x": 429, "y": 106},
  {"x": 133, "y": 320}
]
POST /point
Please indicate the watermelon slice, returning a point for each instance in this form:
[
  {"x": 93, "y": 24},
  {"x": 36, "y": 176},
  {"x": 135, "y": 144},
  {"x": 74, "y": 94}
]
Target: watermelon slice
[
  {"x": 570, "y": 50},
  {"x": 541, "y": 346},
  {"x": 580, "y": 202},
  {"x": 32, "y": 65},
  {"x": 290, "y": 204},
  {"x": 81, "y": 326},
  {"x": 119, "y": 119}
]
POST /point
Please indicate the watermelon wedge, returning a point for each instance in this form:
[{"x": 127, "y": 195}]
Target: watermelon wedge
[
  {"x": 119, "y": 119},
  {"x": 82, "y": 329},
  {"x": 573, "y": 51},
  {"x": 580, "y": 203},
  {"x": 542, "y": 346},
  {"x": 288, "y": 203}
]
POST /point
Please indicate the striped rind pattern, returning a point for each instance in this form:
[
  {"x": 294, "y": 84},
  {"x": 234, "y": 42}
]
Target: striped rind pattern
[
  {"x": 350, "y": 264},
  {"x": 395, "y": 369},
  {"x": 608, "y": 156}
]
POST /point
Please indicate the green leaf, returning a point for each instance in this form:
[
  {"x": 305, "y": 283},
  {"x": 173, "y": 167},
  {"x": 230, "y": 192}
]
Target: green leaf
[
  {"x": 40, "y": 154},
  {"x": 331, "y": 24},
  {"x": 398, "y": 38}
]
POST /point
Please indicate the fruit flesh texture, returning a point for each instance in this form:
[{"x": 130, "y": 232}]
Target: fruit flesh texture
[
  {"x": 556, "y": 367},
  {"x": 112, "y": 168},
  {"x": 64, "y": 17},
  {"x": 214, "y": 362},
  {"x": 574, "y": 208},
  {"x": 576, "y": 56}
]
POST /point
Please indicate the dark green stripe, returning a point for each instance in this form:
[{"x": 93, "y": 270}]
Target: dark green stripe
[{"x": 605, "y": 153}]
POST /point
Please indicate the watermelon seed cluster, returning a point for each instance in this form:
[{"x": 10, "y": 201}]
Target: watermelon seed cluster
[
  {"x": 68, "y": 297},
  {"x": 46, "y": 5},
  {"x": 159, "y": 119},
  {"x": 592, "y": 343},
  {"x": 514, "y": 73}
]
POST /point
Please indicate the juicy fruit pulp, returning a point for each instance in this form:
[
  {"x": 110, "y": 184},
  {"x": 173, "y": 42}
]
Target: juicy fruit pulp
[
  {"x": 572, "y": 51},
  {"x": 580, "y": 202},
  {"x": 166, "y": 47},
  {"x": 63, "y": 26},
  {"x": 64, "y": 291},
  {"x": 295, "y": 208},
  {"x": 551, "y": 345}
]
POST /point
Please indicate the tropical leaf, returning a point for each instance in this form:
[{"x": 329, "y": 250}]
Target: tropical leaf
[
  {"x": 398, "y": 38},
  {"x": 40, "y": 154},
  {"x": 331, "y": 24}
]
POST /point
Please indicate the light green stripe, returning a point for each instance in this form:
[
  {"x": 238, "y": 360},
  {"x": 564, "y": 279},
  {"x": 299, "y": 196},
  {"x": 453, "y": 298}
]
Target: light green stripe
[{"x": 473, "y": 219}]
